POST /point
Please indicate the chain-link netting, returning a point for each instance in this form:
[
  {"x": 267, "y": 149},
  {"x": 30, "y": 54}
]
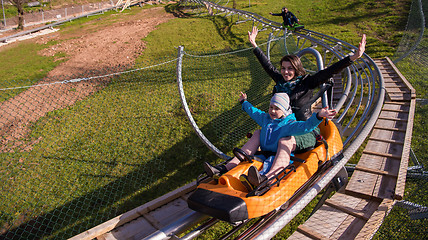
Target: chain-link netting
[
  {"x": 408, "y": 219},
  {"x": 34, "y": 17},
  {"x": 78, "y": 151},
  {"x": 412, "y": 54}
]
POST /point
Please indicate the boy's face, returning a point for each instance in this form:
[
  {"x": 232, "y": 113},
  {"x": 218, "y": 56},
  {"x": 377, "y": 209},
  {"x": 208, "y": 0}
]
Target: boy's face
[{"x": 275, "y": 112}]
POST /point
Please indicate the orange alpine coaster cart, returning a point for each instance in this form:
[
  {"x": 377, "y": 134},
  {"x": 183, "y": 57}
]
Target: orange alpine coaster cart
[{"x": 229, "y": 200}]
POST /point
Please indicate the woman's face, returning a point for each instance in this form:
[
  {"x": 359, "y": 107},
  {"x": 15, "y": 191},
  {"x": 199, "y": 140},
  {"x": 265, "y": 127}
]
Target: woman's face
[{"x": 287, "y": 70}]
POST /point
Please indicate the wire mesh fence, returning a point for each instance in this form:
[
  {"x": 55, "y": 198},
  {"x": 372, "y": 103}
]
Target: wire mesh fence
[
  {"x": 412, "y": 54},
  {"x": 76, "y": 152},
  {"x": 41, "y": 16}
]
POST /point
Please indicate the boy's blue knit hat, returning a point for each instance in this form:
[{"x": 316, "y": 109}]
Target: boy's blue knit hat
[{"x": 282, "y": 101}]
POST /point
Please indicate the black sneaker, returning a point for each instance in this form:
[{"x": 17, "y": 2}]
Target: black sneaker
[
  {"x": 254, "y": 176},
  {"x": 214, "y": 170}
]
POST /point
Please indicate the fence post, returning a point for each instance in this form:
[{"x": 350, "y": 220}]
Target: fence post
[{"x": 4, "y": 16}]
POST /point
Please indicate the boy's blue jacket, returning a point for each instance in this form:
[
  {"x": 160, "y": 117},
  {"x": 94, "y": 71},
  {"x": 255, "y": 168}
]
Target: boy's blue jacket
[{"x": 273, "y": 130}]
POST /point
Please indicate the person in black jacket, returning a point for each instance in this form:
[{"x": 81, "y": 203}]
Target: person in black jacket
[
  {"x": 288, "y": 18},
  {"x": 293, "y": 80},
  {"x": 292, "y": 77}
]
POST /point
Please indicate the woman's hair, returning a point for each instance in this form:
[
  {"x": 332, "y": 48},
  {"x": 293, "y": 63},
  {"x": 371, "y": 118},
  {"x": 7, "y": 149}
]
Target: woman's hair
[{"x": 295, "y": 62}]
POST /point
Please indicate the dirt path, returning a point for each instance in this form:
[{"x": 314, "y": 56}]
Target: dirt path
[{"x": 93, "y": 49}]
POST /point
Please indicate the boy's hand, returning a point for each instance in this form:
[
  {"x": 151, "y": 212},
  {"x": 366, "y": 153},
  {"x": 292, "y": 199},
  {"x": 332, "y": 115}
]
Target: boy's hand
[
  {"x": 327, "y": 113},
  {"x": 242, "y": 97}
]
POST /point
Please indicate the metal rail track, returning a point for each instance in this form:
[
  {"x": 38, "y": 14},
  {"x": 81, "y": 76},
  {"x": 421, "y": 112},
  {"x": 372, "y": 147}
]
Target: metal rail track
[{"x": 361, "y": 91}]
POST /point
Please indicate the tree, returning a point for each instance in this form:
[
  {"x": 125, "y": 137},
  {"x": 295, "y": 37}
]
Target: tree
[{"x": 19, "y": 4}]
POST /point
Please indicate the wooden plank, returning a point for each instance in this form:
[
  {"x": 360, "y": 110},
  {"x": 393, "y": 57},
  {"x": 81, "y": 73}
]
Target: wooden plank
[
  {"x": 349, "y": 229},
  {"x": 391, "y": 123},
  {"x": 370, "y": 161},
  {"x": 352, "y": 227},
  {"x": 394, "y": 84},
  {"x": 397, "y": 103},
  {"x": 387, "y": 140},
  {"x": 153, "y": 221},
  {"x": 379, "y": 186},
  {"x": 400, "y": 90},
  {"x": 412, "y": 90},
  {"x": 325, "y": 220},
  {"x": 399, "y": 190},
  {"x": 359, "y": 205},
  {"x": 385, "y": 146},
  {"x": 347, "y": 210},
  {"x": 358, "y": 194},
  {"x": 357, "y": 210},
  {"x": 394, "y": 114},
  {"x": 310, "y": 233},
  {"x": 362, "y": 183},
  {"x": 375, "y": 220},
  {"x": 149, "y": 222},
  {"x": 388, "y": 74},
  {"x": 385, "y": 187},
  {"x": 132, "y": 228},
  {"x": 131, "y": 215},
  {"x": 392, "y": 80},
  {"x": 393, "y": 119},
  {"x": 401, "y": 97},
  {"x": 379, "y": 163},
  {"x": 382, "y": 154},
  {"x": 392, "y": 129},
  {"x": 370, "y": 185},
  {"x": 394, "y": 110},
  {"x": 299, "y": 236},
  {"x": 404, "y": 104},
  {"x": 164, "y": 215},
  {"x": 375, "y": 171}
]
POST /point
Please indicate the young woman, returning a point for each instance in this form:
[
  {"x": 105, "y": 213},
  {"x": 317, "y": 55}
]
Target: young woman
[{"x": 293, "y": 80}]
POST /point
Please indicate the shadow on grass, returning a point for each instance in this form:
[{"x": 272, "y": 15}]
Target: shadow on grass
[{"x": 107, "y": 202}]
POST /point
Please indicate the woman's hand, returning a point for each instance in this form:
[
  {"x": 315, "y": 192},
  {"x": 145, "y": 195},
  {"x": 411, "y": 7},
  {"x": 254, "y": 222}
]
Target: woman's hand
[
  {"x": 242, "y": 97},
  {"x": 252, "y": 36},
  {"x": 326, "y": 113},
  {"x": 360, "y": 50}
]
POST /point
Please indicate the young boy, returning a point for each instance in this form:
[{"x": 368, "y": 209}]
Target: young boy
[{"x": 278, "y": 123}]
